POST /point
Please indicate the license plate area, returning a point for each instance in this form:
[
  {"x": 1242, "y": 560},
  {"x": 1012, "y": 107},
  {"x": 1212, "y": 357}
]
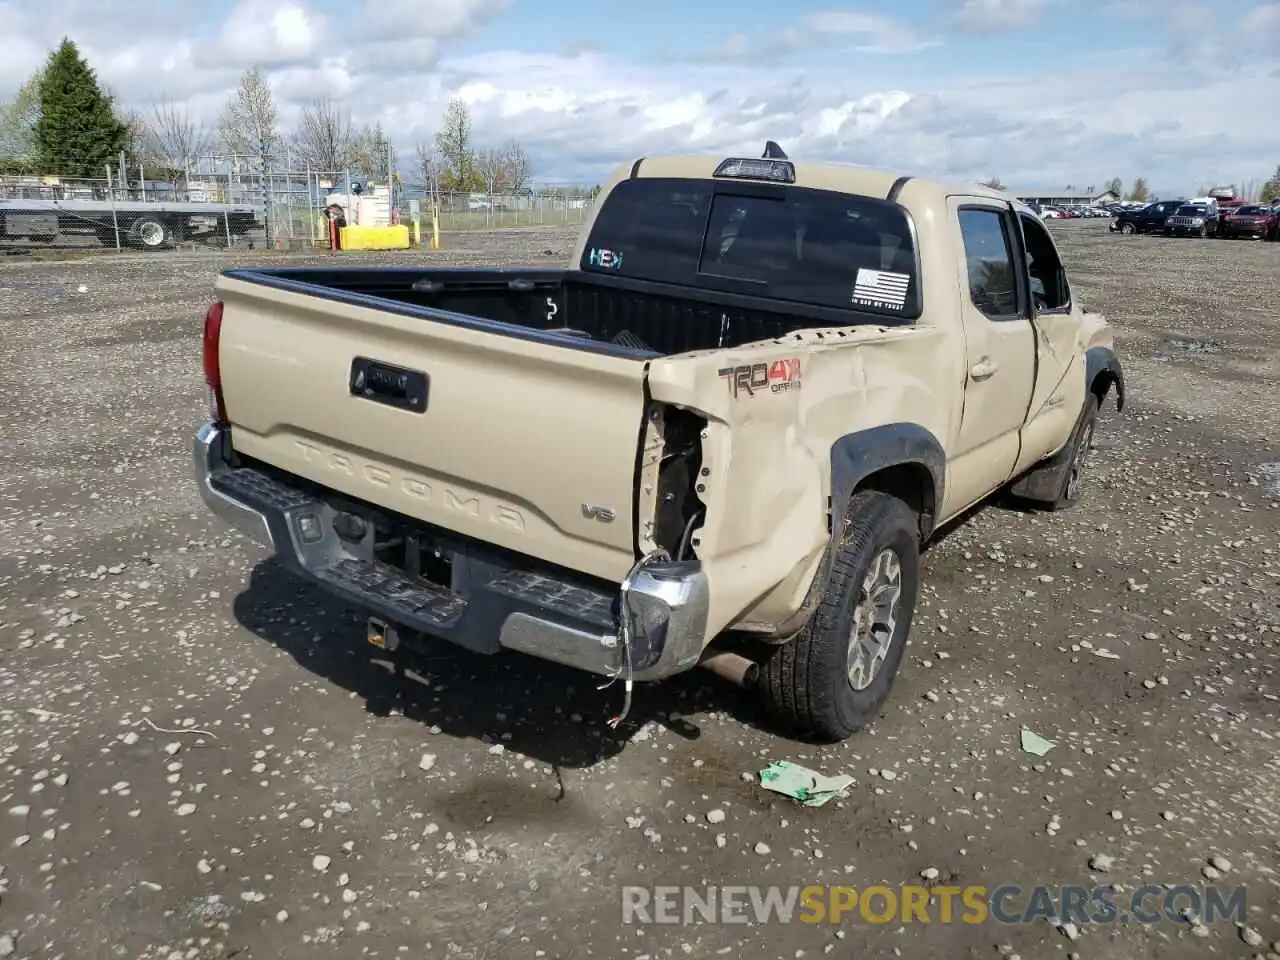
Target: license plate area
[{"x": 390, "y": 385}]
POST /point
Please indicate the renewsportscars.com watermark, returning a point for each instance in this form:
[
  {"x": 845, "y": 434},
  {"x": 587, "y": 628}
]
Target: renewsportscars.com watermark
[{"x": 1007, "y": 904}]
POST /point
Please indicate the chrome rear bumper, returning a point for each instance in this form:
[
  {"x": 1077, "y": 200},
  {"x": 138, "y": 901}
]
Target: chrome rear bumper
[{"x": 492, "y": 602}]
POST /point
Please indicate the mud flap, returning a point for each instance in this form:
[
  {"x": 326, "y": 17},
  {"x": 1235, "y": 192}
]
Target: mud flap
[{"x": 1043, "y": 482}]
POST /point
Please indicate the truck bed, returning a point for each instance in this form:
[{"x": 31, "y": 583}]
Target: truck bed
[{"x": 613, "y": 315}]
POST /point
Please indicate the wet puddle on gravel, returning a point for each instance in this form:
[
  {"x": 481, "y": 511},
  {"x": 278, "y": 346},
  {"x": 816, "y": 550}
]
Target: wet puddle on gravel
[
  {"x": 1269, "y": 478},
  {"x": 1176, "y": 348}
]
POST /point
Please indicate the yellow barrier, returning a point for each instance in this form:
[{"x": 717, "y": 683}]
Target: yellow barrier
[{"x": 375, "y": 238}]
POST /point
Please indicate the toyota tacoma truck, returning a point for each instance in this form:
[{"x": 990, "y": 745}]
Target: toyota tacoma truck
[{"x": 719, "y": 437}]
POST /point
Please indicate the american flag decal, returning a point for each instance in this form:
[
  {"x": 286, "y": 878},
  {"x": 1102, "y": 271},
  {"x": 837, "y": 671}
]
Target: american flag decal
[{"x": 880, "y": 288}]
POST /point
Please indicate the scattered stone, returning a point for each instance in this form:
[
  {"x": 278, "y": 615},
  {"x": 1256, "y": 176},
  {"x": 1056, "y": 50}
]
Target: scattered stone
[
  {"x": 1101, "y": 862},
  {"x": 320, "y": 862},
  {"x": 427, "y": 762},
  {"x": 762, "y": 848},
  {"x": 715, "y": 816},
  {"x": 7, "y": 946},
  {"x": 202, "y": 866},
  {"x": 1251, "y": 936},
  {"x": 282, "y": 916},
  {"x": 1220, "y": 863},
  {"x": 929, "y": 873},
  {"x": 185, "y": 809}
]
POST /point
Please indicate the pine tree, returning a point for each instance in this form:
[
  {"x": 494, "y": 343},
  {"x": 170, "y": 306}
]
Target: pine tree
[{"x": 78, "y": 132}]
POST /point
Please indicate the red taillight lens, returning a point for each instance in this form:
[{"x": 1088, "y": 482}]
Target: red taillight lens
[{"x": 212, "y": 366}]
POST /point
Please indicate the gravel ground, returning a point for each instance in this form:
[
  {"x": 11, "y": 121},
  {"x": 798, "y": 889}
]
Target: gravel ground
[{"x": 198, "y": 760}]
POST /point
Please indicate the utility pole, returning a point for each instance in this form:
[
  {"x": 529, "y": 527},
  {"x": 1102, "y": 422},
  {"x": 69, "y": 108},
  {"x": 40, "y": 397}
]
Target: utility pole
[{"x": 266, "y": 194}]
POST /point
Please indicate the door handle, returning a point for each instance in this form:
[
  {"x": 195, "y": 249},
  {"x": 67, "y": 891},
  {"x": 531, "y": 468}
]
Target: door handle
[{"x": 984, "y": 368}]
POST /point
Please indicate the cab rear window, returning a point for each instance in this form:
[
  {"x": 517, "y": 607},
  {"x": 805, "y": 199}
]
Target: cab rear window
[{"x": 807, "y": 246}]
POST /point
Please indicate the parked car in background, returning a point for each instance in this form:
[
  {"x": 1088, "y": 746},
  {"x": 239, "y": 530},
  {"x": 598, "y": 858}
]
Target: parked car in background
[
  {"x": 1193, "y": 220},
  {"x": 1148, "y": 219},
  {"x": 1250, "y": 222}
]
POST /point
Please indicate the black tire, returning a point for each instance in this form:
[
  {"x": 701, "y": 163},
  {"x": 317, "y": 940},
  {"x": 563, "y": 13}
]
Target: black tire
[
  {"x": 1126, "y": 228},
  {"x": 1076, "y": 453},
  {"x": 806, "y": 683}
]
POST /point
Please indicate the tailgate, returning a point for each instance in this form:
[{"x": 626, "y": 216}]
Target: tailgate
[{"x": 523, "y": 444}]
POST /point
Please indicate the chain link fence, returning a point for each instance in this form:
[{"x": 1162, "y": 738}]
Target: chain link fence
[{"x": 238, "y": 202}]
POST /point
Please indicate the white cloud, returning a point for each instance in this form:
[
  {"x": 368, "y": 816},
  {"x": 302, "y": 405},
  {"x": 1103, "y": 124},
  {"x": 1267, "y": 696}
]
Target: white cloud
[
  {"x": 859, "y": 31},
  {"x": 992, "y": 16},
  {"x": 270, "y": 33},
  {"x": 879, "y": 34},
  {"x": 1081, "y": 118}
]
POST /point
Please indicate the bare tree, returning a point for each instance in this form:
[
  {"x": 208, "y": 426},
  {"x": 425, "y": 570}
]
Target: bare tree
[
  {"x": 516, "y": 162},
  {"x": 371, "y": 152},
  {"x": 174, "y": 137},
  {"x": 18, "y": 120},
  {"x": 454, "y": 142},
  {"x": 431, "y": 166},
  {"x": 249, "y": 124},
  {"x": 325, "y": 138},
  {"x": 491, "y": 165}
]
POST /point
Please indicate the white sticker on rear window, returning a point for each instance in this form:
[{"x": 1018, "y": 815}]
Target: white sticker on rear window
[{"x": 880, "y": 288}]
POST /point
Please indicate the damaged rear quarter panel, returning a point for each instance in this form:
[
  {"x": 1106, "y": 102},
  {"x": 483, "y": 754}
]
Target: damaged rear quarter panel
[{"x": 768, "y": 449}]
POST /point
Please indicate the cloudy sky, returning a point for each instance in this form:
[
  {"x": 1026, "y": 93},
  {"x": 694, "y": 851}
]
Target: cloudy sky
[{"x": 1042, "y": 93}]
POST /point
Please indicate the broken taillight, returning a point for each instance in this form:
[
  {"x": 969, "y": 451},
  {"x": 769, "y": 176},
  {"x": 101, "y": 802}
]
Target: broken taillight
[{"x": 212, "y": 367}]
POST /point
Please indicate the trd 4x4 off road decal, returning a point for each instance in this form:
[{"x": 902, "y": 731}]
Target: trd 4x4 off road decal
[{"x": 778, "y": 376}]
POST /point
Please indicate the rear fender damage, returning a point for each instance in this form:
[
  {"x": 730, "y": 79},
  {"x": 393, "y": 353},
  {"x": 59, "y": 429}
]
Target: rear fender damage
[{"x": 775, "y": 451}]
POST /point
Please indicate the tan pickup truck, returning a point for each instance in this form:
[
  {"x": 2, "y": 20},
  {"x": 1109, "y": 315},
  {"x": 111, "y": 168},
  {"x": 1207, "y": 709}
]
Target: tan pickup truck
[{"x": 719, "y": 437}]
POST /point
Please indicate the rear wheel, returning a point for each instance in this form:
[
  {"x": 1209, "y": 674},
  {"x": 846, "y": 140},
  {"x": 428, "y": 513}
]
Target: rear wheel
[
  {"x": 151, "y": 233},
  {"x": 832, "y": 678},
  {"x": 1126, "y": 228}
]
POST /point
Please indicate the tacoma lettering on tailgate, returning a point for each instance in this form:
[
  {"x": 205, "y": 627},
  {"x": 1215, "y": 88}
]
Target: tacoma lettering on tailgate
[{"x": 446, "y": 498}]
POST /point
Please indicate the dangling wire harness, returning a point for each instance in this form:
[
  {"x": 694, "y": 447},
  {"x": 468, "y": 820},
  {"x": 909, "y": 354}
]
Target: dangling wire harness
[{"x": 626, "y": 627}]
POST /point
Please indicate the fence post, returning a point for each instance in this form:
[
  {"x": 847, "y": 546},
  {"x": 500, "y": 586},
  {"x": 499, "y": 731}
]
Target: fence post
[{"x": 115, "y": 219}]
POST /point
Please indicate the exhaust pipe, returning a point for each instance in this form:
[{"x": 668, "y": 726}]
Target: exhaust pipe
[{"x": 737, "y": 669}]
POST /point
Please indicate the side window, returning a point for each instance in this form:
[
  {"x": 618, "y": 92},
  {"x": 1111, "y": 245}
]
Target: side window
[
  {"x": 989, "y": 258},
  {"x": 1049, "y": 289}
]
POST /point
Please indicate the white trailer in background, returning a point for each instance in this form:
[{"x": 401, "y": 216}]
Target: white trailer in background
[{"x": 148, "y": 225}]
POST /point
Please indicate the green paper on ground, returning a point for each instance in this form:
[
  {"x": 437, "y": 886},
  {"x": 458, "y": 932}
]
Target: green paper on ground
[
  {"x": 1035, "y": 744},
  {"x": 811, "y": 788}
]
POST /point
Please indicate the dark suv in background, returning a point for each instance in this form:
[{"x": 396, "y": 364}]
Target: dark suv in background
[
  {"x": 1193, "y": 220},
  {"x": 1148, "y": 219}
]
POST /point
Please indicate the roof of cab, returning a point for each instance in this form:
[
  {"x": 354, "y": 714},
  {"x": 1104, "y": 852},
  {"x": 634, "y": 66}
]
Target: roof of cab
[{"x": 841, "y": 177}]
